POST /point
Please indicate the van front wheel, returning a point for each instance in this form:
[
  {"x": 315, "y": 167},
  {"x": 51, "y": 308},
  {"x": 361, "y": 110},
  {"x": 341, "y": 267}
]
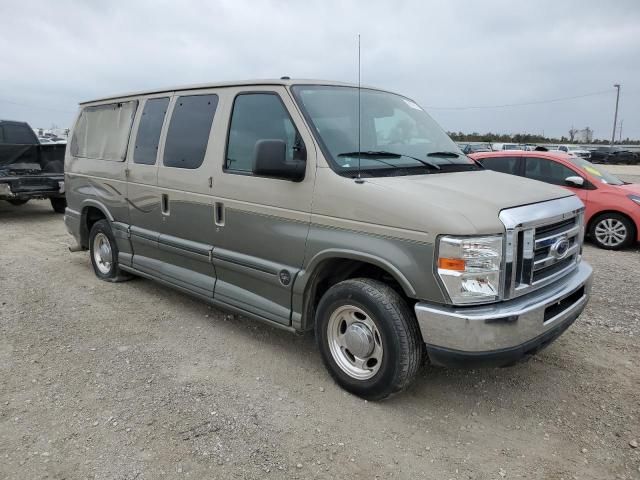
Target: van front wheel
[
  {"x": 104, "y": 253},
  {"x": 368, "y": 338}
]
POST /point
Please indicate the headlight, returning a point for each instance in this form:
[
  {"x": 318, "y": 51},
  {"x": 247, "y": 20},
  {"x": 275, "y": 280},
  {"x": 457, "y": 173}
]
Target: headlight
[
  {"x": 635, "y": 198},
  {"x": 469, "y": 268}
]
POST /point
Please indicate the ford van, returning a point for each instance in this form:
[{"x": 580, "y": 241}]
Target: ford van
[{"x": 316, "y": 205}]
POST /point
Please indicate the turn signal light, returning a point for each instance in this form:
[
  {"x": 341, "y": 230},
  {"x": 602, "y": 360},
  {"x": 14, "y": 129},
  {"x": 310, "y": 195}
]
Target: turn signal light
[{"x": 457, "y": 264}]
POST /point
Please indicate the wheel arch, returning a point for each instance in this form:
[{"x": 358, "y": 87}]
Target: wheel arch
[
  {"x": 332, "y": 266},
  {"x": 91, "y": 212}
]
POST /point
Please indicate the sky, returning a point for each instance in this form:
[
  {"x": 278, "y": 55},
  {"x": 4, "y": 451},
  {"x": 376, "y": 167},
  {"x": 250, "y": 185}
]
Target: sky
[{"x": 449, "y": 56}]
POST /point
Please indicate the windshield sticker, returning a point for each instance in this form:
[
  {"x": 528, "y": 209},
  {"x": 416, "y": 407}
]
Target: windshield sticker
[
  {"x": 413, "y": 105},
  {"x": 593, "y": 171}
]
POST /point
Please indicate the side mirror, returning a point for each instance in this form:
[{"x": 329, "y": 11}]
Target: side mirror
[
  {"x": 270, "y": 160},
  {"x": 575, "y": 181}
]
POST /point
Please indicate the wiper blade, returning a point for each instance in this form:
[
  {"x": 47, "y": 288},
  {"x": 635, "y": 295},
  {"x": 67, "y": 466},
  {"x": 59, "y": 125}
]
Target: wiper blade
[
  {"x": 443, "y": 154},
  {"x": 384, "y": 154},
  {"x": 371, "y": 153}
]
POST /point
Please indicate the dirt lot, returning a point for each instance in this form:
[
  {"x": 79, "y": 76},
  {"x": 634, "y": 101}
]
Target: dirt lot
[{"x": 136, "y": 381}]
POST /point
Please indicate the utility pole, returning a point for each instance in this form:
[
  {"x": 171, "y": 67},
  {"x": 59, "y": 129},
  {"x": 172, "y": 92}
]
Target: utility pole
[
  {"x": 615, "y": 117},
  {"x": 620, "y": 137}
]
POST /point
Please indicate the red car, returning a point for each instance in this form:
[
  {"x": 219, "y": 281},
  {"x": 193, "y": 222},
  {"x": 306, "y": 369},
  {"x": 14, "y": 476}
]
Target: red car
[{"x": 612, "y": 206}]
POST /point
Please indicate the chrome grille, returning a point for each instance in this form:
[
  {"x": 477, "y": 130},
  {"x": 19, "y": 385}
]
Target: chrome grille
[
  {"x": 543, "y": 242},
  {"x": 547, "y": 260}
]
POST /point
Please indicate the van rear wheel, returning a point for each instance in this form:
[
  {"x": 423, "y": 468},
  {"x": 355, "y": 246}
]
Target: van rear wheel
[
  {"x": 368, "y": 338},
  {"x": 104, "y": 253}
]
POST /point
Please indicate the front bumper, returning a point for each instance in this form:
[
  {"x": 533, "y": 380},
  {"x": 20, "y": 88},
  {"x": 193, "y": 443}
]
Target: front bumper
[{"x": 502, "y": 333}]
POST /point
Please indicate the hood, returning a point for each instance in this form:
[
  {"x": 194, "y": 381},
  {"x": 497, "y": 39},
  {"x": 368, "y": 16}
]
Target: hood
[
  {"x": 457, "y": 203},
  {"x": 631, "y": 188}
]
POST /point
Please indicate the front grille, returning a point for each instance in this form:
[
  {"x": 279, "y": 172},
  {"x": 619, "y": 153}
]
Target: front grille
[
  {"x": 544, "y": 243},
  {"x": 548, "y": 260}
]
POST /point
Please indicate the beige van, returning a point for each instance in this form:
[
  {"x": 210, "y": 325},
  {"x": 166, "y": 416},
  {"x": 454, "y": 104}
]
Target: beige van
[{"x": 313, "y": 205}]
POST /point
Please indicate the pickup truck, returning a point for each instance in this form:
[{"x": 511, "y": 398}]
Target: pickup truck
[{"x": 29, "y": 170}]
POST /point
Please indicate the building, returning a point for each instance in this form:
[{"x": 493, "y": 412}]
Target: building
[{"x": 584, "y": 136}]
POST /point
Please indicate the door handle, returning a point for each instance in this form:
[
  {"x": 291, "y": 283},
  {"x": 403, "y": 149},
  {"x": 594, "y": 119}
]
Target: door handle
[
  {"x": 218, "y": 214},
  {"x": 164, "y": 204}
]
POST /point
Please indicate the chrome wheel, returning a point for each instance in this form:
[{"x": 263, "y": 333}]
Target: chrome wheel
[
  {"x": 102, "y": 253},
  {"x": 355, "y": 342},
  {"x": 611, "y": 232}
]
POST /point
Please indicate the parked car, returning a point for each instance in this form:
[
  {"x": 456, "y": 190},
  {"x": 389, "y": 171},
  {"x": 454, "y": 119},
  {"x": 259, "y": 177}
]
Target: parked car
[
  {"x": 614, "y": 155},
  {"x": 506, "y": 146},
  {"x": 257, "y": 197},
  {"x": 612, "y": 212},
  {"x": 476, "y": 147},
  {"x": 29, "y": 169},
  {"x": 575, "y": 150}
]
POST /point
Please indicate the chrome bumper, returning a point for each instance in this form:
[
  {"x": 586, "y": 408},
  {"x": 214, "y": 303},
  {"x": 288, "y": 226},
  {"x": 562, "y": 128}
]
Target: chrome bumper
[{"x": 507, "y": 325}]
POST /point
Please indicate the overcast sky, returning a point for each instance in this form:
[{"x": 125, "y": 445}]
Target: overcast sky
[{"x": 446, "y": 55}]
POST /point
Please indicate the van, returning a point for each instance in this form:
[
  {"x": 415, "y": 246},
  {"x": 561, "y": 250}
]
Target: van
[{"x": 315, "y": 205}]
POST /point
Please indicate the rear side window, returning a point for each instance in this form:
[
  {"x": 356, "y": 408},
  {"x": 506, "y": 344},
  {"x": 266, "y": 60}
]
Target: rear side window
[
  {"x": 189, "y": 130},
  {"x": 102, "y": 131},
  {"x": 547, "y": 170},
  {"x": 18, "y": 134},
  {"x": 258, "y": 116},
  {"x": 148, "y": 135},
  {"x": 502, "y": 164}
]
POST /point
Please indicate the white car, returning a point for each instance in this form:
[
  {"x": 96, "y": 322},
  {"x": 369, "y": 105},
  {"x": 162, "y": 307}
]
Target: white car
[
  {"x": 575, "y": 151},
  {"x": 507, "y": 146}
]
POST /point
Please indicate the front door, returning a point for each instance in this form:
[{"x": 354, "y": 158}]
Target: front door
[
  {"x": 549, "y": 171},
  {"x": 261, "y": 223}
]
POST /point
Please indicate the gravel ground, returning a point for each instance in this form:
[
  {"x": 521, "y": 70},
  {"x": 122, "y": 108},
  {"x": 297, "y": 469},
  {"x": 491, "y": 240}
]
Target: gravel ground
[{"x": 136, "y": 381}]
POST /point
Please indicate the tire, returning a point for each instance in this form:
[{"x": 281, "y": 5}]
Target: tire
[
  {"x": 58, "y": 204},
  {"x": 18, "y": 201},
  {"x": 612, "y": 231},
  {"x": 377, "y": 320},
  {"x": 104, "y": 253}
]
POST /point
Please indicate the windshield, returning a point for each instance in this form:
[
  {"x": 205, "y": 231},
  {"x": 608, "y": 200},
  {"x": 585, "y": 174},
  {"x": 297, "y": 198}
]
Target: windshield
[
  {"x": 396, "y": 135},
  {"x": 596, "y": 171}
]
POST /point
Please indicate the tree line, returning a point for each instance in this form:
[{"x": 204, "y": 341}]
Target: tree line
[{"x": 524, "y": 138}]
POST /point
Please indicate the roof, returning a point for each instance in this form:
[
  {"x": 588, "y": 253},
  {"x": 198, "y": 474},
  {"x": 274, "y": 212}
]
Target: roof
[
  {"x": 14, "y": 122},
  {"x": 285, "y": 81},
  {"x": 522, "y": 153}
]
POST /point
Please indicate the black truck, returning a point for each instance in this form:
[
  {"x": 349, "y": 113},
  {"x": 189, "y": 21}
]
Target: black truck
[
  {"x": 28, "y": 169},
  {"x": 615, "y": 155}
]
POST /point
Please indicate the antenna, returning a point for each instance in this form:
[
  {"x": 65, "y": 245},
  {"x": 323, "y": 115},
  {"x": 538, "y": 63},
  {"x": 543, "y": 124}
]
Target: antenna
[{"x": 359, "y": 178}]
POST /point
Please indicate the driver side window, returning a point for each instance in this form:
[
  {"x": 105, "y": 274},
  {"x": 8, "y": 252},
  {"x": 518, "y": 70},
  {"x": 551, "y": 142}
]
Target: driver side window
[
  {"x": 259, "y": 116},
  {"x": 547, "y": 171}
]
